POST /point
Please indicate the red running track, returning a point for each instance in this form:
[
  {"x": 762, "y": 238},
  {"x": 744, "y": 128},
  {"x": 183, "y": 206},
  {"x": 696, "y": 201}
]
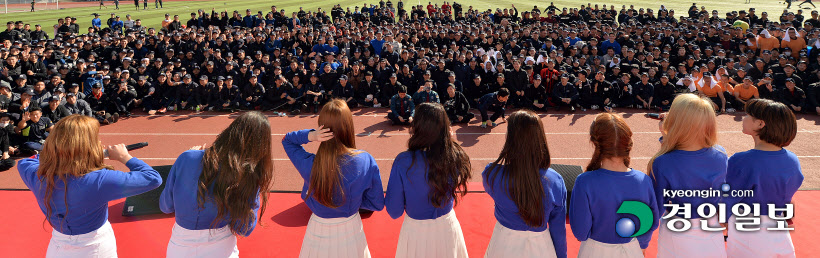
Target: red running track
[{"x": 567, "y": 135}]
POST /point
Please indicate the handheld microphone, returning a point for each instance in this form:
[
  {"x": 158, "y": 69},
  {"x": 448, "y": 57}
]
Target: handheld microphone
[
  {"x": 654, "y": 116},
  {"x": 130, "y": 147}
]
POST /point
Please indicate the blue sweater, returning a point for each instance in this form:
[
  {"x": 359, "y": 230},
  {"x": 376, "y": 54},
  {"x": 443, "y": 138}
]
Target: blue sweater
[
  {"x": 409, "y": 191},
  {"x": 773, "y": 175},
  {"x": 361, "y": 181},
  {"x": 596, "y": 197},
  {"x": 88, "y": 195},
  {"x": 555, "y": 210},
  {"x": 181, "y": 192},
  {"x": 690, "y": 170}
]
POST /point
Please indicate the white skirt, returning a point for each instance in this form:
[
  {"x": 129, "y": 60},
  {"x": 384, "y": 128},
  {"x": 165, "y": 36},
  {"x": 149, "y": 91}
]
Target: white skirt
[
  {"x": 506, "y": 242},
  {"x": 336, "y": 237},
  {"x": 216, "y": 243},
  {"x": 691, "y": 243},
  {"x": 592, "y": 248},
  {"x": 761, "y": 243},
  {"x": 440, "y": 237},
  {"x": 99, "y": 243}
]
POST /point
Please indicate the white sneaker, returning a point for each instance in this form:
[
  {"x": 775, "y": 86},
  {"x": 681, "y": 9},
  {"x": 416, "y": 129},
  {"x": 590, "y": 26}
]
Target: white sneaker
[
  {"x": 171, "y": 108},
  {"x": 377, "y": 105},
  {"x": 730, "y": 110},
  {"x": 594, "y": 107}
]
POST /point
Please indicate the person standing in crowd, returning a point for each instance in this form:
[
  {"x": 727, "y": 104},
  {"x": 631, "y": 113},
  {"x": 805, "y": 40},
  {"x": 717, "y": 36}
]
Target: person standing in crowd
[
  {"x": 689, "y": 158},
  {"x": 426, "y": 181},
  {"x": 456, "y": 106},
  {"x": 339, "y": 181},
  {"x": 599, "y": 192},
  {"x": 73, "y": 186},
  {"x": 495, "y": 102},
  {"x": 219, "y": 192},
  {"x": 530, "y": 197},
  {"x": 772, "y": 171},
  {"x": 402, "y": 108}
]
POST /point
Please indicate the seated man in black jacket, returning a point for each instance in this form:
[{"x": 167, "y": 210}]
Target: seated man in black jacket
[
  {"x": 99, "y": 103},
  {"x": 664, "y": 94},
  {"x": 496, "y": 102},
  {"x": 793, "y": 97},
  {"x": 813, "y": 105},
  {"x": 537, "y": 95},
  {"x": 456, "y": 105},
  {"x": 367, "y": 92},
  {"x": 6, "y": 162},
  {"x": 55, "y": 111}
]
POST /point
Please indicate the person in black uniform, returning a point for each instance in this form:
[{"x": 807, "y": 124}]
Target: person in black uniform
[
  {"x": 367, "y": 93},
  {"x": 565, "y": 94},
  {"x": 389, "y": 89},
  {"x": 122, "y": 98},
  {"x": 278, "y": 97},
  {"x": 99, "y": 104},
  {"x": 456, "y": 105},
  {"x": 34, "y": 128},
  {"x": 315, "y": 95},
  {"x": 253, "y": 95},
  {"x": 536, "y": 95},
  {"x": 6, "y": 131},
  {"x": 664, "y": 94},
  {"x": 55, "y": 111},
  {"x": 344, "y": 91},
  {"x": 793, "y": 97},
  {"x": 222, "y": 97},
  {"x": 495, "y": 102}
]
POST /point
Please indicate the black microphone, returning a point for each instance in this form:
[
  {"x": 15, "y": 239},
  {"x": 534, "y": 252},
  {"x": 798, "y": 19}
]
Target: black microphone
[{"x": 130, "y": 147}]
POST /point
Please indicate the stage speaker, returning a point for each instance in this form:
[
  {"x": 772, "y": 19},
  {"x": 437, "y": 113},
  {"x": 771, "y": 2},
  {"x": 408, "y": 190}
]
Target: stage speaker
[
  {"x": 147, "y": 202},
  {"x": 569, "y": 173}
]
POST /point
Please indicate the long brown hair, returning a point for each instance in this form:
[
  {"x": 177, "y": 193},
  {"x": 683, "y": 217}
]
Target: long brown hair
[
  {"x": 611, "y": 137},
  {"x": 447, "y": 163},
  {"x": 236, "y": 168},
  {"x": 72, "y": 149},
  {"x": 325, "y": 176},
  {"x": 524, "y": 154}
]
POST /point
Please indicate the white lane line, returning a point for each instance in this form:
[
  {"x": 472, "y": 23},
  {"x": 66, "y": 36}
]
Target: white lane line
[
  {"x": 479, "y": 159},
  {"x": 365, "y": 134}
]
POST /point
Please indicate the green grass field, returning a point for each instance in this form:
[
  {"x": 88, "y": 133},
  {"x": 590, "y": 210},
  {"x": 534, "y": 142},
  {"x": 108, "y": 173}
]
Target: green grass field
[{"x": 153, "y": 17}]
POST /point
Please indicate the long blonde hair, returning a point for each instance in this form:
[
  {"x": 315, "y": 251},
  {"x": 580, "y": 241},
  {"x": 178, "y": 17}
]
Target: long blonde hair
[
  {"x": 72, "y": 149},
  {"x": 325, "y": 176},
  {"x": 691, "y": 121}
]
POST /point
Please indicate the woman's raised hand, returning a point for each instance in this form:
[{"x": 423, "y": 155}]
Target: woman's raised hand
[{"x": 320, "y": 135}]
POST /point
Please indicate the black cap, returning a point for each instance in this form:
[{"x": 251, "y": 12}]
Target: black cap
[
  {"x": 28, "y": 91},
  {"x": 343, "y": 77},
  {"x": 54, "y": 98}
]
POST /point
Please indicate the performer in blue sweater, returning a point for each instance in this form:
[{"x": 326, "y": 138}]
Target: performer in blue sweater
[
  {"x": 771, "y": 171},
  {"x": 339, "y": 180},
  {"x": 599, "y": 192},
  {"x": 689, "y": 159},
  {"x": 530, "y": 197},
  {"x": 215, "y": 191},
  {"x": 73, "y": 187},
  {"x": 425, "y": 181}
]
